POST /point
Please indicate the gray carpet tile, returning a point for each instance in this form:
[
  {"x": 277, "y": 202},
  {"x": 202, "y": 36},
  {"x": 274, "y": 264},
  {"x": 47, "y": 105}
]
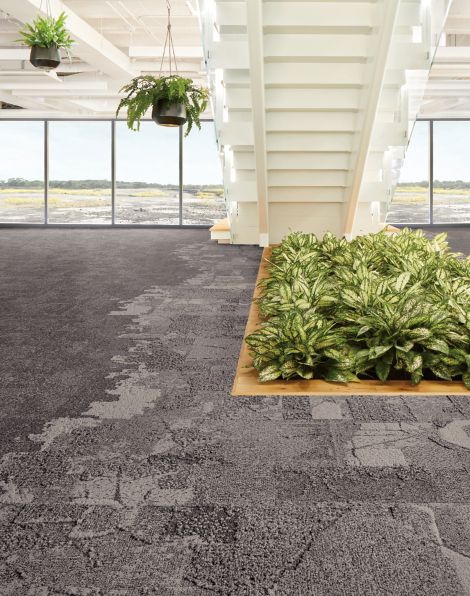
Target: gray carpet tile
[{"x": 128, "y": 469}]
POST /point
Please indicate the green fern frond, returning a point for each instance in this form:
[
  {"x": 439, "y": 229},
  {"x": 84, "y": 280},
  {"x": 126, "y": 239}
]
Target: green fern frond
[{"x": 47, "y": 32}]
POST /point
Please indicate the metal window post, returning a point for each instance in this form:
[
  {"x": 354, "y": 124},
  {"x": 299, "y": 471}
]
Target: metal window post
[
  {"x": 46, "y": 171},
  {"x": 431, "y": 172},
  {"x": 181, "y": 175},
  {"x": 113, "y": 172}
]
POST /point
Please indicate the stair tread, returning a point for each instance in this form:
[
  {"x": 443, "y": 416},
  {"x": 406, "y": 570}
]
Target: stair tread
[{"x": 221, "y": 226}]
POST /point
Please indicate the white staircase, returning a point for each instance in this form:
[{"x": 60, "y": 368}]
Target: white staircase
[{"x": 311, "y": 108}]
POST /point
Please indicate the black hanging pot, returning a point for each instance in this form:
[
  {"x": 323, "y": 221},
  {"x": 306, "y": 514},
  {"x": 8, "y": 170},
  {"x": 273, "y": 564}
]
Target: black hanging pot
[
  {"x": 45, "y": 58},
  {"x": 169, "y": 114}
]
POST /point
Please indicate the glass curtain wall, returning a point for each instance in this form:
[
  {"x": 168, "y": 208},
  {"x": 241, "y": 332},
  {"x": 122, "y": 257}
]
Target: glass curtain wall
[
  {"x": 100, "y": 172},
  {"x": 22, "y": 172},
  {"x": 79, "y": 172},
  {"x": 203, "y": 188},
  {"x": 412, "y": 198},
  {"x": 434, "y": 185},
  {"x": 147, "y": 175},
  {"x": 451, "y": 169}
]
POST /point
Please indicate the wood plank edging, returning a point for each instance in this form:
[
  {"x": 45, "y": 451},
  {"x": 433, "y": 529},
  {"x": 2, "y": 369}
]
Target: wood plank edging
[{"x": 246, "y": 377}]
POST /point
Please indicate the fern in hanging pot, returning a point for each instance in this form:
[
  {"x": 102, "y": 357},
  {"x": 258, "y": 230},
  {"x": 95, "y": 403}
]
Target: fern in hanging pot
[
  {"x": 174, "y": 100},
  {"x": 46, "y": 36}
]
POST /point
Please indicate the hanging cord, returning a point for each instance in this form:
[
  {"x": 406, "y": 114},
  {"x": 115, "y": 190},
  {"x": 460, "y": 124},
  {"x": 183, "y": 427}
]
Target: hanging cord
[
  {"x": 47, "y": 7},
  {"x": 50, "y": 17},
  {"x": 169, "y": 44}
]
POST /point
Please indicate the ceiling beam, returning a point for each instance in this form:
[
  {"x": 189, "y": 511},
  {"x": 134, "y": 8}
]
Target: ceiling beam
[
  {"x": 60, "y": 93},
  {"x": 26, "y": 104},
  {"x": 14, "y": 53},
  {"x": 457, "y": 114},
  {"x": 75, "y": 113},
  {"x": 32, "y": 74},
  {"x": 157, "y": 51},
  {"x": 444, "y": 107},
  {"x": 452, "y": 55},
  {"x": 40, "y": 86},
  {"x": 90, "y": 45},
  {"x": 457, "y": 25},
  {"x": 459, "y": 8}
]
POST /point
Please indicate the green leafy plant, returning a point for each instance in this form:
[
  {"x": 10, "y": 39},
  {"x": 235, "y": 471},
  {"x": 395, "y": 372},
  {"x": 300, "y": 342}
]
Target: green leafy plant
[
  {"x": 47, "y": 32},
  {"x": 379, "y": 306},
  {"x": 145, "y": 91}
]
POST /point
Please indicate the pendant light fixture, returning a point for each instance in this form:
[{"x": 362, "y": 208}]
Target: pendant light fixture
[{"x": 164, "y": 113}]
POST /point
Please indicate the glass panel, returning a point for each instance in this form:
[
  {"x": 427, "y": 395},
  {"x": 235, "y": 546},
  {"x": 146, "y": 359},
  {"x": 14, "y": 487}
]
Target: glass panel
[
  {"x": 411, "y": 202},
  {"x": 147, "y": 174},
  {"x": 22, "y": 172},
  {"x": 203, "y": 191},
  {"x": 451, "y": 196},
  {"x": 79, "y": 172}
]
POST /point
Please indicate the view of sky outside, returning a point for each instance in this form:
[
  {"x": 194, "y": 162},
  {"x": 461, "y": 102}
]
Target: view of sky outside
[
  {"x": 21, "y": 150},
  {"x": 150, "y": 155},
  {"x": 143, "y": 156},
  {"x": 200, "y": 157},
  {"x": 411, "y": 200},
  {"x": 451, "y": 152},
  {"x": 79, "y": 150},
  {"x": 415, "y": 167}
]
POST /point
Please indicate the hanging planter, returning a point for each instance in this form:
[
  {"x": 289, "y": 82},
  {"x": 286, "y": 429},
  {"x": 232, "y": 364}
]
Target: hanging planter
[
  {"x": 169, "y": 114},
  {"x": 46, "y": 36},
  {"x": 174, "y": 100},
  {"x": 45, "y": 58}
]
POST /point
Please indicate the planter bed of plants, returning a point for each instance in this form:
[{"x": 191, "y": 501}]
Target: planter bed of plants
[{"x": 382, "y": 314}]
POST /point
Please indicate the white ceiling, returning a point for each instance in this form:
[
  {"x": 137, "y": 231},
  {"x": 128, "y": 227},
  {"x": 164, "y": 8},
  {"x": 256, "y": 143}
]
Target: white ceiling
[
  {"x": 118, "y": 39},
  {"x": 115, "y": 40}
]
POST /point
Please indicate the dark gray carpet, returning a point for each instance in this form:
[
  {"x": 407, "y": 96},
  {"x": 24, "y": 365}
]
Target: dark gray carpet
[{"x": 128, "y": 469}]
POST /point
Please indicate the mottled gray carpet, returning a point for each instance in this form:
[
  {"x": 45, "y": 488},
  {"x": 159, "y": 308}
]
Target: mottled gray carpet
[{"x": 128, "y": 469}]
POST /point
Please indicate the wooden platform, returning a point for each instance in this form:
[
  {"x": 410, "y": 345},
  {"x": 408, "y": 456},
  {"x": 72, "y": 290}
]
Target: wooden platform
[{"x": 246, "y": 378}]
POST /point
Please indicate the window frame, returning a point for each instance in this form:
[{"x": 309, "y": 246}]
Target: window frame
[
  {"x": 431, "y": 223},
  {"x": 112, "y": 223}
]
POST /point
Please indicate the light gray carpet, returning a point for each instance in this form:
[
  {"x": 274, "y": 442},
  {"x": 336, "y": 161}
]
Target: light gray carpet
[{"x": 128, "y": 469}]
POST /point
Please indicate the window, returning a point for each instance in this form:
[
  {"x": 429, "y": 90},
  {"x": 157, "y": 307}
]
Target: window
[
  {"x": 203, "y": 190},
  {"x": 411, "y": 200},
  {"x": 79, "y": 172},
  {"x": 143, "y": 184},
  {"x": 443, "y": 148},
  {"x": 22, "y": 172},
  {"x": 451, "y": 184},
  {"x": 147, "y": 175}
]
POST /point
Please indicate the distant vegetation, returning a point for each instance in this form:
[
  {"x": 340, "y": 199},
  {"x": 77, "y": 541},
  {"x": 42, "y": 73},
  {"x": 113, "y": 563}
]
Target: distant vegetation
[
  {"x": 106, "y": 184},
  {"x": 451, "y": 184}
]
